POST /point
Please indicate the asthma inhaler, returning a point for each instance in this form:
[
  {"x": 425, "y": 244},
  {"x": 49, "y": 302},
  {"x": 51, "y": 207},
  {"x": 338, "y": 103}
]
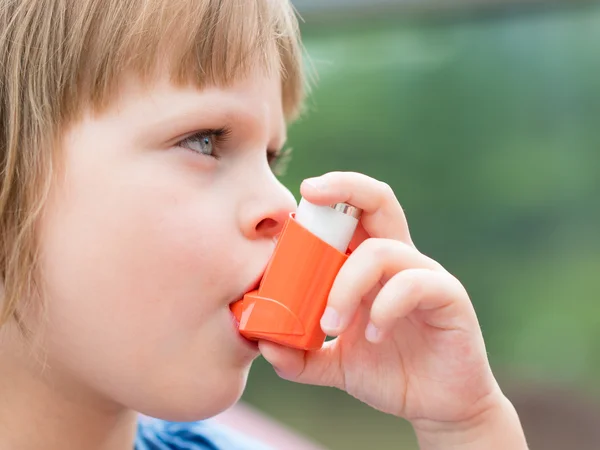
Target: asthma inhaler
[{"x": 292, "y": 296}]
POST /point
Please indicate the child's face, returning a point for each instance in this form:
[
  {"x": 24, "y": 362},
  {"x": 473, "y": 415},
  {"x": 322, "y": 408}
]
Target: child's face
[{"x": 145, "y": 244}]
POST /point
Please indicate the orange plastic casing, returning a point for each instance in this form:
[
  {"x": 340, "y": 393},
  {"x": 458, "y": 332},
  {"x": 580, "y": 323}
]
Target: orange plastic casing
[{"x": 292, "y": 295}]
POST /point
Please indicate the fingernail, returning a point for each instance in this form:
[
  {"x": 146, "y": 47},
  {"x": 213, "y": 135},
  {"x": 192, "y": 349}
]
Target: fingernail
[
  {"x": 331, "y": 319},
  {"x": 317, "y": 183},
  {"x": 372, "y": 333}
]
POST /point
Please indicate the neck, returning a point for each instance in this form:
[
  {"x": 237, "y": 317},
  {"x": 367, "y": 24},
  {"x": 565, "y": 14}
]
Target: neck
[{"x": 39, "y": 409}]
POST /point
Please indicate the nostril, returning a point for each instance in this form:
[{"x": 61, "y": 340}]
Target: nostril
[{"x": 266, "y": 226}]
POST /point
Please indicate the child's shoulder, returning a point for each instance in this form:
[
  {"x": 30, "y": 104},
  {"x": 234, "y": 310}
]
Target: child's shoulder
[{"x": 155, "y": 434}]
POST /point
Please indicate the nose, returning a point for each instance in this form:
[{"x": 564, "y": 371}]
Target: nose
[{"x": 264, "y": 213}]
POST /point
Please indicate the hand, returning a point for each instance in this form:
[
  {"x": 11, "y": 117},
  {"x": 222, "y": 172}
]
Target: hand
[{"x": 407, "y": 340}]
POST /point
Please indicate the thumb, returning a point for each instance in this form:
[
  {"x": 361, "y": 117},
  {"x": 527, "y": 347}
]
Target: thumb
[{"x": 319, "y": 367}]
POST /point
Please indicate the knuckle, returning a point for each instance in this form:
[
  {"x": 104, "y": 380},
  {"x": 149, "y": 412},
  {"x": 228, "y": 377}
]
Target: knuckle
[
  {"x": 385, "y": 190},
  {"x": 382, "y": 249},
  {"x": 334, "y": 176},
  {"x": 435, "y": 265},
  {"x": 461, "y": 291},
  {"x": 412, "y": 283},
  {"x": 376, "y": 247}
]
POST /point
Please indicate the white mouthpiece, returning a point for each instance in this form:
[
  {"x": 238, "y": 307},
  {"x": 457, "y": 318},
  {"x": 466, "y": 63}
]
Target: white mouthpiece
[{"x": 334, "y": 224}]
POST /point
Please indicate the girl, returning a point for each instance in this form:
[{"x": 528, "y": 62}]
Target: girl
[{"x": 138, "y": 140}]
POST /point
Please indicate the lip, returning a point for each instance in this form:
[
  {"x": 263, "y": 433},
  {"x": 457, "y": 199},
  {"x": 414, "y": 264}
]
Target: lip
[
  {"x": 252, "y": 345},
  {"x": 256, "y": 283},
  {"x": 251, "y": 287},
  {"x": 249, "y": 344}
]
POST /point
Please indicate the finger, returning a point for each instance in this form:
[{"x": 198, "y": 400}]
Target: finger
[
  {"x": 382, "y": 217},
  {"x": 440, "y": 300},
  {"x": 373, "y": 260},
  {"x": 360, "y": 235},
  {"x": 320, "y": 367}
]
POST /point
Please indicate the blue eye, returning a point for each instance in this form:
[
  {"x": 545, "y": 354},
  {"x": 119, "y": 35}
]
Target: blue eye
[
  {"x": 209, "y": 143},
  {"x": 202, "y": 143}
]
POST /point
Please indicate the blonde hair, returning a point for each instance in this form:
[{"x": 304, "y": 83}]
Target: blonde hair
[{"x": 59, "y": 58}]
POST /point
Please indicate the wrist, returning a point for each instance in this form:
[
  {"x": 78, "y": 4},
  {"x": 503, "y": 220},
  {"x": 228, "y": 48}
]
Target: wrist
[{"x": 497, "y": 426}]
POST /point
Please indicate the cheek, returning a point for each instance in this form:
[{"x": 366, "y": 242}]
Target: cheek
[
  {"x": 135, "y": 271},
  {"x": 139, "y": 255},
  {"x": 139, "y": 263}
]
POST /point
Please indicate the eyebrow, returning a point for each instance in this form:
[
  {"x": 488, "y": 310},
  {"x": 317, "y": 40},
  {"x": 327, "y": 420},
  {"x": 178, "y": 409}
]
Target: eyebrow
[{"x": 214, "y": 112}]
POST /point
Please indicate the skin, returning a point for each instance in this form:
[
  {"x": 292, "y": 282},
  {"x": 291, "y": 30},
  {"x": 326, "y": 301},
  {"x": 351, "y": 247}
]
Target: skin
[
  {"x": 145, "y": 242},
  {"x": 408, "y": 340}
]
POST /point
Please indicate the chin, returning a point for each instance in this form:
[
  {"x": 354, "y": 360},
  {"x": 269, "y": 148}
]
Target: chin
[{"x": 197, "y": 402}]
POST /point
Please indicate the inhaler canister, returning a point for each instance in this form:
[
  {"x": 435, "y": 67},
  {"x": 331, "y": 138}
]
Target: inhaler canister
[{"x": 334, "y": 224}]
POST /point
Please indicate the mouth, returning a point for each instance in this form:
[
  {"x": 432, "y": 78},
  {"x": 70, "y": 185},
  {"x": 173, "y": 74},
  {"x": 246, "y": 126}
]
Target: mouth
[
  {"x": 236, "y": 306},
  {"x": 235, "y": 309},
  {"x": 254, "y": 285},
  {"x": 251, "y": 344}
]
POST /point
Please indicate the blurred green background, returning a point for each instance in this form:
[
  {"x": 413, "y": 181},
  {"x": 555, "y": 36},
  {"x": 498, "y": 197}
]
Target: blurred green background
[{"x": 487, "y": 126}]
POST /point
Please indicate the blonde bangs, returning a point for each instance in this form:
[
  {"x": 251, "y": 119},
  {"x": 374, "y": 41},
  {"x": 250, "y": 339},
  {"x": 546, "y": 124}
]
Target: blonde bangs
[
  {"x": 61, "y": 57},
  {"x": 204, "y": 42}
]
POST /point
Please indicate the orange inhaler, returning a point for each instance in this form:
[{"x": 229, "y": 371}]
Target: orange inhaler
[{"x": 292, "y": 295}]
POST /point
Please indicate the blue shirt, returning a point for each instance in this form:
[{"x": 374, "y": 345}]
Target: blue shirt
[{"x": 154, "y": 434}]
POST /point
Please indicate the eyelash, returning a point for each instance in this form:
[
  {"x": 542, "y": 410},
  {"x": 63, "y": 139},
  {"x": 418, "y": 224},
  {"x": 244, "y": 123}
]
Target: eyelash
[
  {"x": 278, "y": 159},
  {"x": 218, "y": 136}
]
